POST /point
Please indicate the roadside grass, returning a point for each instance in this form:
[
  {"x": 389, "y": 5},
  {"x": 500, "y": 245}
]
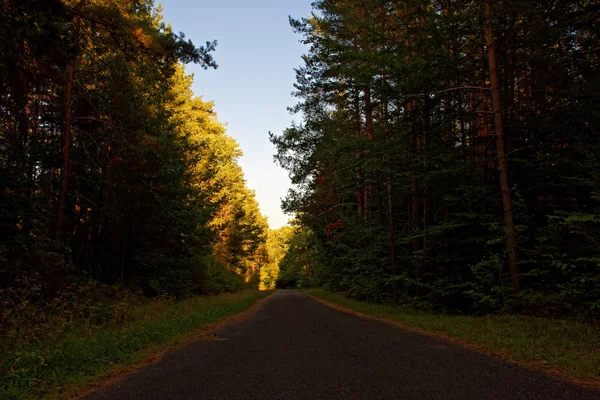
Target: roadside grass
[
  {"x": 561, "y": 347},
  {"x": 56, "y": 367}
]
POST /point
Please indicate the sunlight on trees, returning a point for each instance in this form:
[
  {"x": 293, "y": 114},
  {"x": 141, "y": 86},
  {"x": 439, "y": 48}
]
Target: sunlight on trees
[
  {"x": 113, "y": 174},
  {"x": 272, "y": 253}
]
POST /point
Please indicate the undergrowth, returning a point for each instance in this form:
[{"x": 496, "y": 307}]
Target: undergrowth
[{"x": 45, "y": 363}]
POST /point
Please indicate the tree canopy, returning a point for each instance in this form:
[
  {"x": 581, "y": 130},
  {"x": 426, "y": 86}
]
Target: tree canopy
[
  {"x": 111, "y": 170},
  {"x": 448, "y": 152}
]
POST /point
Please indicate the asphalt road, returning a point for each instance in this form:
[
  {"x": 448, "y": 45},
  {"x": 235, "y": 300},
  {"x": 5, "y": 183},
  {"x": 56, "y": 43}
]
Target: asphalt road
[{"x": 296, "y": 348}]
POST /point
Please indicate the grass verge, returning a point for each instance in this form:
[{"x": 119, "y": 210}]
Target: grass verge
[
  {"x": 564, "y": 348},
  {"x": 54, "y": 369}
]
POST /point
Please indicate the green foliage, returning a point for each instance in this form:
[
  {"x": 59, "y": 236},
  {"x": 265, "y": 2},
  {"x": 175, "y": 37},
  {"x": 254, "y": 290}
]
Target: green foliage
[
  {"x": 297, "y": 266},
  {"x": 152, "y": 174},
  {"x": 221, "y": 280},
  {"x": 489, "y": 289},
  {"x": 350, "y": 262},
  {"x": 239, "y": 228},
  {"x": 126, "y": 330},
  {"x": 272, "y": 252},
  {"x": 153, "y": 202},
  {"x": 397, "y": 151}
]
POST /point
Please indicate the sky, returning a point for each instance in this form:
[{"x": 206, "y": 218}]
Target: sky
[{"x": 257, "y": 52}]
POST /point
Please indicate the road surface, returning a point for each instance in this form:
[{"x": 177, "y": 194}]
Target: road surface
[{"x": 297, "y": 348}]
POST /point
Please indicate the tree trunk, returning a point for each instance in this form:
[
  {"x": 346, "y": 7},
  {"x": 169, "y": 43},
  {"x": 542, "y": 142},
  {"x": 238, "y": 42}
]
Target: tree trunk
[
  {"x": 511, "y": 237},
  {"x": 369, "y": 137},
  {"x": 390, "y": 209},
  {"x": 25, "y": 133},
  {"x": 392, "y": 233},
  {"x": 426, "y": 199},
  {"x": 483, "y": 139},
  {"x": 359, "y": 193},
  {"x": 417, "y": 242},
  {"x": 66, "y": 151}
]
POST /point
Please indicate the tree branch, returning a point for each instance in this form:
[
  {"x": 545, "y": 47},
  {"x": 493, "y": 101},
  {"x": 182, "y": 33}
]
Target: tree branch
[
  {"x": 336, "y": 206},
  {"x": 448, "y": 90}
]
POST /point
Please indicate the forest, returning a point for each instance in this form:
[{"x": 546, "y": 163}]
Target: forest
[
  {"x": 115, "y": 178},
  {"x": 447, "y": 158},
  {"x": 445, "y": 161},
  {"x": 448, "y": 155}
]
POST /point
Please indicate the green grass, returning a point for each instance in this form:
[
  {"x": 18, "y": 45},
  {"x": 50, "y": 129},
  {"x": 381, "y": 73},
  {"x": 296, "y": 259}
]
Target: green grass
[
  {"x": 54, "y": 368},
  {"x": 570, "y": 347}
]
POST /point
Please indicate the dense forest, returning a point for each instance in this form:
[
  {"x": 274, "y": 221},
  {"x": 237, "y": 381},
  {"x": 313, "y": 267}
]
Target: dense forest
[
  {"x": 445, "y": 160},
  {"x": 449, "y": 154},
  {"x": 114, "y": 177},
  {"x": 448, "y": 158}
]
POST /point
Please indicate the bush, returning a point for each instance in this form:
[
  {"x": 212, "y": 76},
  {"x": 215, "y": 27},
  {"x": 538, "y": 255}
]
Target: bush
[{"x": 219, "y": 279}]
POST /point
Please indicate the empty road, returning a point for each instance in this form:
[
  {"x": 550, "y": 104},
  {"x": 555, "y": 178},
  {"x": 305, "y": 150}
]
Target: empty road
[{"x": 297, "y": 348}]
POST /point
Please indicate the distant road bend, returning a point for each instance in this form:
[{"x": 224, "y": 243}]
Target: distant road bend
[{"x": 297, "y": 348}]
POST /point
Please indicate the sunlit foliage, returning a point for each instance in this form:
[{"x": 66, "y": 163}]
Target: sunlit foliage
[
  {"x": 111, "y": 171},
  {"x": 272, "y": 253}
]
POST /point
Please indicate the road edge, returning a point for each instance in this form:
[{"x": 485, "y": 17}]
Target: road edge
[
  {"x": 482, "y": 349},
  {"x": 155, "y": 354}
]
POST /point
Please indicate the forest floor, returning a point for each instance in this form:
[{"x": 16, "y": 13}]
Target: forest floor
[
  {"x": 295, "y": 347},
  {"x": 58, "y": 367},
  {"x": 563, "y": 348}
]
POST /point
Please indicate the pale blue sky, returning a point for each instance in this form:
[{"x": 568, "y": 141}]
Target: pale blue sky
[{"x": 257, "y": 54}]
